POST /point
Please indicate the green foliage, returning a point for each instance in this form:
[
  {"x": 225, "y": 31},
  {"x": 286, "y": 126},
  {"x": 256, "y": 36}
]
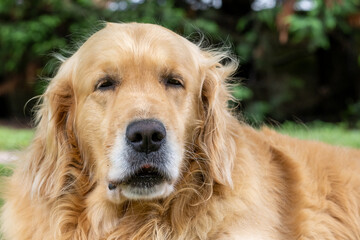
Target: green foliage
[
  {"x": 31, "y": 32},
  {"x": 256, "y": 112},
  {"x": 315, "y": 25},
  {"x": 285, "y": 71},
  {"x": 12, "y": 139},
  {"x": 311, "y": 26},
  {"x": 242, "y": 93},
  {"x": 308, "y": 27},
  {"x": 352, "y": 113}
]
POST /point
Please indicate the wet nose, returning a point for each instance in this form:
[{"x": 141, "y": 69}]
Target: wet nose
[{"x": 146, "y": 135}]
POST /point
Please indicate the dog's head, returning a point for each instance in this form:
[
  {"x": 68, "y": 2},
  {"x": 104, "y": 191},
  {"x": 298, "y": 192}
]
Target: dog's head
[{"x": 132, "y": 103}]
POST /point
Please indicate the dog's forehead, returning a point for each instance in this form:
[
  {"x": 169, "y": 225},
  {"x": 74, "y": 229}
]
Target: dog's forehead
[
  {"x": 122, "y": 49},
  {"x": 136, "y": 42}
]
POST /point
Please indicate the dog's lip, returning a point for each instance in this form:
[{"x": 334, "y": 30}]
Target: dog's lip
[{"x": 147, "y": 175}]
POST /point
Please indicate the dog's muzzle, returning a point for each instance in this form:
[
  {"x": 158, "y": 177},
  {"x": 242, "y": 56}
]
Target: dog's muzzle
[{"x": 146, "y": 155}]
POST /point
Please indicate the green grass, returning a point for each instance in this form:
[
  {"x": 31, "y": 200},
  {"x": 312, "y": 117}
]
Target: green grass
[
  {"x": 5, "y": 171},
  {"x": 14, "y": 139},
  {"x": 335, "y": 134}
]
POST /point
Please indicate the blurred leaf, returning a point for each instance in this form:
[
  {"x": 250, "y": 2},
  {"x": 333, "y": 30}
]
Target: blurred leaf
[
  {"x": 207, "y": 26},
  {"x": 256, "y": 112},
  {"x": 244, "y": 50},
  {"x": 242, "y": 23},
  {"x": 242, "y": 93},
  {"x": 267, "y": 16},
  {"x": 330, "y": 21}
]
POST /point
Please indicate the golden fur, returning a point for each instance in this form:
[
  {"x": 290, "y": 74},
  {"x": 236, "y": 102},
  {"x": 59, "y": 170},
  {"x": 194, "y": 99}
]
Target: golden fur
[{"x": 235, "y": 183}]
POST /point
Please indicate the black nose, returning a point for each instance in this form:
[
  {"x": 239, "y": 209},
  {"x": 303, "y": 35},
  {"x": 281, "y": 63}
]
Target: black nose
[{"x": 146, "y": 135}]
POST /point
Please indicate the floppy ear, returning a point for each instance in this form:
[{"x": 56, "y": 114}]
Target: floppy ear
[
  {"x": 217, "y": 133},
  {"x": 54, "y": 148}
]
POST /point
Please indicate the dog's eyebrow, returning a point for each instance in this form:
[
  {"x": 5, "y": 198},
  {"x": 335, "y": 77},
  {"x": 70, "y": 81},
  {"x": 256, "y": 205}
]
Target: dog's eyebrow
[
  {"x": 169, "y": 71},
  {"x": 171, "y": 74},
  {"x": 175, "y": 75},
  {"x": 107, "y": 76}
]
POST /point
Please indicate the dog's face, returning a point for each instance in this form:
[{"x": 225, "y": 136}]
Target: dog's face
[
  {"x": 136, "y": 89},
  {"x": 132, "y": 111}
]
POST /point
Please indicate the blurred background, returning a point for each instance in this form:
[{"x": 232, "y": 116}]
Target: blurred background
[{"x": 300, "y": 59}]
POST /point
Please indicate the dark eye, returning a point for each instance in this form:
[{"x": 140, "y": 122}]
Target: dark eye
[
  {"x": 173, "y": 81},
  {"x": 105, "y": 84}
]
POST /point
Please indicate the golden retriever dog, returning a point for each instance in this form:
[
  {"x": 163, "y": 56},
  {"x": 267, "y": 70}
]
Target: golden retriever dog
[{"x": 135, "y": 141}]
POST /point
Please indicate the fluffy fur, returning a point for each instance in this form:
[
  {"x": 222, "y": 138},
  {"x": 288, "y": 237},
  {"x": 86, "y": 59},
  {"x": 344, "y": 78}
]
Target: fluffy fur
[{"x": 234, "y": 182}]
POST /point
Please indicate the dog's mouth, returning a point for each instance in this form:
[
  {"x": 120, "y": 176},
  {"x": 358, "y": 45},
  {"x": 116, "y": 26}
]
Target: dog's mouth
[
  {"x": 147, "y": 176},
  {"x": 142, "y": 176}
]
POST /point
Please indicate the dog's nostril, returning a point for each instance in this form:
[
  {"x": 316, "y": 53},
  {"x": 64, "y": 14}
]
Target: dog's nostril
[
  {"x": 135, "y": 138},
  {"x": 157, "y": 137},
  {"x": 146, "y": 135}
]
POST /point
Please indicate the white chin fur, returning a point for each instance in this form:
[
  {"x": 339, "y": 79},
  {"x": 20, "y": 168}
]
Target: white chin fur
[
  {"x": 122, "y": 193},
  {"x": 158, "y": 191}
]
